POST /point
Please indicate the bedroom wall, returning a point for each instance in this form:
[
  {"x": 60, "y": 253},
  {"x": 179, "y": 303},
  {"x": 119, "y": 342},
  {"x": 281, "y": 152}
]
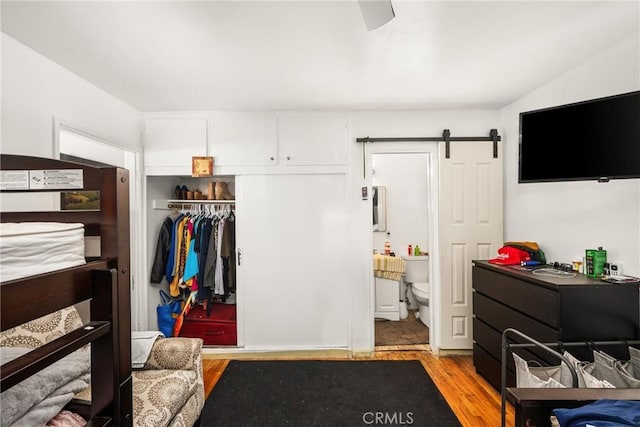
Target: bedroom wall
[
  {"x": 565, "y": 218},
  {"x": 393, "y": 124},
  {"x": 35, "y": 90}
]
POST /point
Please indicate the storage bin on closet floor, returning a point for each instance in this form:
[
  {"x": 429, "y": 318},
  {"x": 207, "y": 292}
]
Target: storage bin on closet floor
[{"x": 219, "y": 328}]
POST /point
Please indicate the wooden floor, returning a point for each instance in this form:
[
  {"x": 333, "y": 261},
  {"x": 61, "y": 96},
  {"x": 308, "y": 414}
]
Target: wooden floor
[{"x": 472, "y": 399}]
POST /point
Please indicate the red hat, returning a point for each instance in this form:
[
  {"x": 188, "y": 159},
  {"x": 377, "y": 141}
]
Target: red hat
[{"x": 508, "y": 255}]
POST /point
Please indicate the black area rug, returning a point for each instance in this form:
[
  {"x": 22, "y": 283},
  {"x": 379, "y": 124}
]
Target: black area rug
[{"x": 326, "y": 393}]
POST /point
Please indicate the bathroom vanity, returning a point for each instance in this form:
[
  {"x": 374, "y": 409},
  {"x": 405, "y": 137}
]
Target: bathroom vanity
[
  {"x": 388, "y": 272},
  {"x": 387, "y": 299}
]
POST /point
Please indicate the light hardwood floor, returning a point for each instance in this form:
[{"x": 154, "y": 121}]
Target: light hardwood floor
[{"x": 472, "y": 399}]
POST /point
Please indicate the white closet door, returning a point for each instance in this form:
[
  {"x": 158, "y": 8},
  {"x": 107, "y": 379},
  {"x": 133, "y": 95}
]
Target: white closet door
[
  {"x": 470, "y": 227},
  {"x": 292, "y": 235}
]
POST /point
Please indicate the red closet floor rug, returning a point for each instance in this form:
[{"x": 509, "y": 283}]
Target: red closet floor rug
[
  {"x": 326, "y": 393},
  {"x": 217, "y": 328}
]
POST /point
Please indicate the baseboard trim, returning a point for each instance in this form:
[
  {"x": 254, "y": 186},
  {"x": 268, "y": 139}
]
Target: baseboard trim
[
  {"x": 404, "y": 347},
  {"x": 212, "y": 353},
  {"x": 447, "y": 352}
]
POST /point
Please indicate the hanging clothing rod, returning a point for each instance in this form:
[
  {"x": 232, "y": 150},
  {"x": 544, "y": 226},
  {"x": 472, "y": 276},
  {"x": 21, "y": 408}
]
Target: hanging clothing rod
[
  {"x": 446, "y": 137},
  {"x": 199, "y": 204}
]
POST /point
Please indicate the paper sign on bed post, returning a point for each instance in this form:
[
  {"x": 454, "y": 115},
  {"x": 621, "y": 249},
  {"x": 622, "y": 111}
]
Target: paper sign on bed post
[
  {"x": 56, "y": 179},
  {"x": 14, "y": 180}
]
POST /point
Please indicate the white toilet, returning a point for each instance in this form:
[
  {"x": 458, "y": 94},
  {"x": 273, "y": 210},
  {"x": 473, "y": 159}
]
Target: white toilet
[{"x": 417, "y": 274}]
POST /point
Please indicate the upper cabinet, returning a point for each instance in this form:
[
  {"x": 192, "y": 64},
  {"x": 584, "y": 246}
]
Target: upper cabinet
[
  {"x": 170, "y": 142},
  {"x": 313, "y": 138},
  {"x": 243, "y": 139},
  {"x": 246, "y": 142}
]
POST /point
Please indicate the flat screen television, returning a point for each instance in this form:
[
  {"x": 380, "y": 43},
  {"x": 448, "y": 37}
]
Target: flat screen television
[{"x": 597, "y": 139}]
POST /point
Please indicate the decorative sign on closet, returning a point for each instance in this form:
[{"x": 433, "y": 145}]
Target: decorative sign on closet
[{"x": 202, "y": 167}]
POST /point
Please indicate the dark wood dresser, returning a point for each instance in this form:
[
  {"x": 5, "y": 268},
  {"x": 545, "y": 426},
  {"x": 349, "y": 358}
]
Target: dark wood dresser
[{"x": 550, "y": 310}]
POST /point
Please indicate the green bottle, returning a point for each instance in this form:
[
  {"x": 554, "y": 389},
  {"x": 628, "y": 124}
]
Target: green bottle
[{"x": 416, "y": 251}]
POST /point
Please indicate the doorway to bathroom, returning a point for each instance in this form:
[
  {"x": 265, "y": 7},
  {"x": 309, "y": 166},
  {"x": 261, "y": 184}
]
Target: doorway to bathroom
[{"x": 402, "y": 217}]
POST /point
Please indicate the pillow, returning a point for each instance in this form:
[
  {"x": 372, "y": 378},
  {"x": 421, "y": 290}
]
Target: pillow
[{"x": 66, "y": 419}]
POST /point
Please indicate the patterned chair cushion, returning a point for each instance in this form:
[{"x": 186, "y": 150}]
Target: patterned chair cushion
[
  {"x": 42, "y": 330},
  {"x": 169, "y": 390},
  {"x": 175, "y": 353}
]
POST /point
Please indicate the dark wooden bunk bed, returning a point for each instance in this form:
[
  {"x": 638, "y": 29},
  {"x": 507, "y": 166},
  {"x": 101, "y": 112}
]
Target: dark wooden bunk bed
[{"x": 103, "y": 280}]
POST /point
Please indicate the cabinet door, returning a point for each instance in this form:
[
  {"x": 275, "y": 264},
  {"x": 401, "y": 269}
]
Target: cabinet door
[
  {"x": 243, "y": 139},
  {"x": 314, "y": 139},
  {"x": 387, "y": 295},
  {"x": 171, "y": 142}
]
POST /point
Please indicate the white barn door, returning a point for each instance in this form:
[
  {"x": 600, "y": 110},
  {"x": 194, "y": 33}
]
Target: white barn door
[{"x": 470, "y": 227}]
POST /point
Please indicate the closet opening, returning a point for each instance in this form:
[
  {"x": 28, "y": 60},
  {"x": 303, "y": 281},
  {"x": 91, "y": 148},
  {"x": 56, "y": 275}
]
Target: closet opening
[{"x": 192, "y": 234}]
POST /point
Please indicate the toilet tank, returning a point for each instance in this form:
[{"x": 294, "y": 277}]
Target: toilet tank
[{"x": 416, "y": 269}]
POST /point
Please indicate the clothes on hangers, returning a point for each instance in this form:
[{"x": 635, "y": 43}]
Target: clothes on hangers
[
  {"x": 163, "y": 248},
  {"x": 196, "y": 251}
]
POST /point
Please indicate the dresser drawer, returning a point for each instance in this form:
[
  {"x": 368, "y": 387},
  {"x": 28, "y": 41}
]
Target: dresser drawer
[
  {"x": 490, "y": 368},
  {"x": 501, "y": 317},
  {"x": 535, "y": 301},
  {"x": 491, "y": 341}
]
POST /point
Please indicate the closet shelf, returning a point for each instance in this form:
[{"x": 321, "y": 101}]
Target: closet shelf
[{"x": 171, "y": 203}]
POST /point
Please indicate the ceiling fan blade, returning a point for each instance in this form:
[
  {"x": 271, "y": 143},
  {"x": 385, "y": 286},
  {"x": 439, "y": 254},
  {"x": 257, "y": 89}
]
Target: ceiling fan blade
[{"x": 376, "y": 12}]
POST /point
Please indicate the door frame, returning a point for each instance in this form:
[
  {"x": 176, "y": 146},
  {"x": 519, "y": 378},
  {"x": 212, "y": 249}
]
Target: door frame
[
  {"x": 133, "y": 162},
  {"x": 431, "y": 149}
]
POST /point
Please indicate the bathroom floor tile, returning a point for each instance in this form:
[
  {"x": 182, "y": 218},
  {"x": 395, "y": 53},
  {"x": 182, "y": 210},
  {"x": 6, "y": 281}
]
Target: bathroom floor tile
[{"x": 403, "y": 332}]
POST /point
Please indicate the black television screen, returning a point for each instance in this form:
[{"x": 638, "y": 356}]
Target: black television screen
[{"x": 597, "y": 139}]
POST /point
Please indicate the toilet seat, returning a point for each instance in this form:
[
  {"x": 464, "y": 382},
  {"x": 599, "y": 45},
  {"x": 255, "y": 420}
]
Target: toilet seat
[{"x": 421, "y": 289}]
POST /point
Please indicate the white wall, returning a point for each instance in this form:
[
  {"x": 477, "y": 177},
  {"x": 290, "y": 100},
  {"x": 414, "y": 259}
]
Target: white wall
[
  {"x": 566, "y": 218},
  {"x": 35, "y": 90},
  {"x": 38, "y": 95},
  {"x": 392, "y": 124},
  {"x": 405, "y": 179}
]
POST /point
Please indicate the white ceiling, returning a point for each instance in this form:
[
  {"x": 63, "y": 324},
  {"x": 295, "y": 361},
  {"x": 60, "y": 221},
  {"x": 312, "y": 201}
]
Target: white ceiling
[{"x": 243, "y": 55}]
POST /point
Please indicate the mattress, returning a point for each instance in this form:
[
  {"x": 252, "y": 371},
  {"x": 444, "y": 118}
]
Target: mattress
[{"x": 30, "y": 248}]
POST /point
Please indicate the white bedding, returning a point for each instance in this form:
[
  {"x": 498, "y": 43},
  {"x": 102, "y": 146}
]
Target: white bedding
[
  {"x": 27, "y": 249},
  {"x": 30, "y": 248},
  {"x": 141, "y": 345}
]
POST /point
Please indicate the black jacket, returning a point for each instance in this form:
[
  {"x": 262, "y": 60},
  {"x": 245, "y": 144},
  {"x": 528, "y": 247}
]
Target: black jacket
[{"x": 163, "y": 246}]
